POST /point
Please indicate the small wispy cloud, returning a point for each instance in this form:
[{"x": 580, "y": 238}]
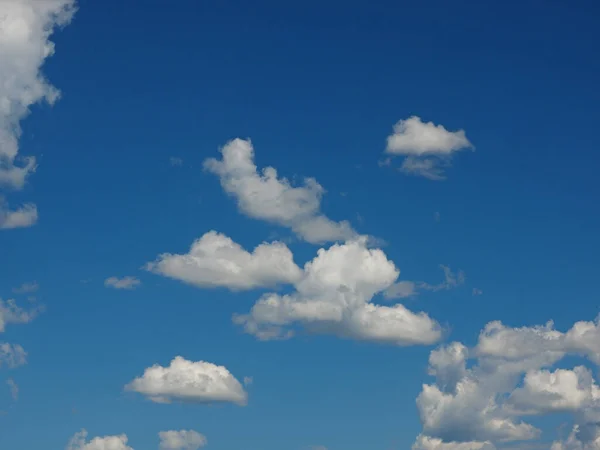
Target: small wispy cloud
[
  {"x": 122, "y": 283},
  {"x": 477, "y": 291},
  {"x": 14, "y": 389},
  {"x": 175, "y": 161},
  {"x": 27, "y": 288}
]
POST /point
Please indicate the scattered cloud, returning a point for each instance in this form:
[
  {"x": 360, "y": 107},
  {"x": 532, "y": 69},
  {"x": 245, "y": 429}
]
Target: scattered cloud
[
  {"x": 512, "y": 377},
  {"x": 79, "y": 442},
  {"x": 14, "y": 389},
  {"x": 263, "y": 195},
  {"x": 27, "y": 288},
  {"x": 427, "y": 147},
  {"x": 23, "y": 217},
  {"x": 451, "y": 280},
  {"x": 404, "y": 289},
  {"x": 12, "y": 355},
  {"x": 122, "y": 283},
  {"x": 215, "y": 260},
  {"x": 11, "y": 313},
  {"x": 248, "y": 381},
  {"x": 334, "y": 296},
  {"x": 477, "y": 291},
  {"x": 25, "y": 30},
  {"x": 190, "y": 382},
  {"x": 175, "y": 161},
  {"x": 181, "y": 440}
]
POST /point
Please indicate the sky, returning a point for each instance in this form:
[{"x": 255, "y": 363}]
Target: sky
[{"x": 299, "y": 226}]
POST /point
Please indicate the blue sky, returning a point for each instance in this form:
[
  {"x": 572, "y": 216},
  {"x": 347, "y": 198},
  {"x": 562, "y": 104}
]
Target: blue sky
[{"x": 149, "y": 94}]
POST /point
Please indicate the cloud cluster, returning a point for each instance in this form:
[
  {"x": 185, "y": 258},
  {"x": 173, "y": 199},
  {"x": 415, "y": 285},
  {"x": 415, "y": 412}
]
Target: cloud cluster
[
  {"x": 512, "y": 377},
  {"x": 263, "y": 195},
  {"x": 25, "y": 30},
  {"x": 12, "y": 355},
  {"x": 190, "y": 382},
  {"x": 79, "y": 442},
  {"x": 128, "y": 282},
  {"x": 215, "y": 260},
  {"x": 11, "y": 313},
  {"x": 334, "y": 295},
  {"x": 427, "y": 148},
  {"x": 181, "y": 440}
]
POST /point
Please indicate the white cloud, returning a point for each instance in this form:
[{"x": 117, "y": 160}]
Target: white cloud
[
  {"x": 181, "y": 440},
  {"x": 23, "y": 217},
  {"x": 12, "y": 355},
  {"x": 14, "y": 389},
  {"x": 429, "y": 443},
  {"x": 215, "y": 260},
  {"x": 10, "y": 312},
  {"x": 267, "y": 197},
  {"x": 25, "y": 30},
  {"x": 27, "y": 288},
  {"x": 511, "y": 379},
  {"x": 191, "y": 382},
  {"x": 122, "y": 283},
  {"x": 427, "y": 147},
  {"x": 581, "y": 438},
  {"x": 334, "y": 296},
  {"x": 78, "y": 442}
]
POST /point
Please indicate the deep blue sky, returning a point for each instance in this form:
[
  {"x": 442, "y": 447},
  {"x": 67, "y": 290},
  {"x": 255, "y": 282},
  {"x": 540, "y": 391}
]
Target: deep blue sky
[{"x": 317, "y": 86}]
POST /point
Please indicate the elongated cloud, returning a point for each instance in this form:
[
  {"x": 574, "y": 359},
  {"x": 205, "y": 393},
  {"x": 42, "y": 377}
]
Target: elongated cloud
[
  {"x": 25, "y": 30},
  {"x": 79, "y": 442},
  {"x": 427, "y": 147},
  {"x": 11, "y": 313},
  {"x": 334, "y": 296},
  {"x": 215, "y": 260},
  {"x": 265, "y": 196},
  {"x": 128, "y": 282},
  {"x": 190, "y": 382}
]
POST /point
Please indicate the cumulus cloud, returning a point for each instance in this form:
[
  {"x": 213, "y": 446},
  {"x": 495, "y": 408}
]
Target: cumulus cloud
[
  {"x": 429, "y": 443},
  {"x": 181, "y": 440},
  {"x": 11, "y": 313},
  {"x": 264, "y": 195},
  {"x": 122, "y": 283},
  {"x": 581, "y": 438},
  {"x": 23, "y": 217},
  {"x": 427, "y": 147},
  {"x": 334, "y": 295},
  {"x": 25, "y": 30},
  {"x": 215, "y": 260},
  {"x": 79, "y": 442},
  {"x": 190, "y": 382},
  {"x": 12, "y": 355},
  {"x": 511, "y": 378}
]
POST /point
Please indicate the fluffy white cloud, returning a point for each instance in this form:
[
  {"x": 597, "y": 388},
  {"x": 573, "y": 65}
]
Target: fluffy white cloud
[
  {"x": 427, "y": 147},
  {"x": 10, "y": 312},
  {"x": 12, "y": 355},
  {"x": 511, "y": 378},
  {"x": 215, "y": 260},
  {"x": 25, "y": 30},
  {"x": 429, "y": 443},
  {"x": 181, "y": 440},
  {"x": 122, "y": 283},
  {"x": 263, "y": 195},
  {"x": 334, "y": 295},
  {"x": 192, "y": 382},
  {"x": 79, "y": 442},
  {"x": 23, "y": 217}
]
